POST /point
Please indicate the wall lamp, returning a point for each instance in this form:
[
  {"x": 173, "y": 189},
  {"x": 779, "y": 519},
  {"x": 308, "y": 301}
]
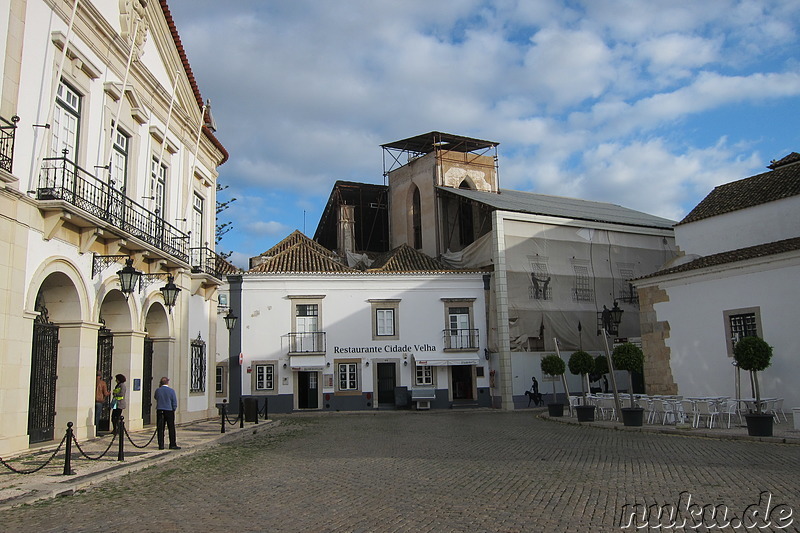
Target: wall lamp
[{"x": 230, "y": 320}]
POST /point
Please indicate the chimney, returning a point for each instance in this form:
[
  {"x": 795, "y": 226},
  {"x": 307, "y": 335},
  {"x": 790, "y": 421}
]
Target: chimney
[{"x": 345, "y": 236}]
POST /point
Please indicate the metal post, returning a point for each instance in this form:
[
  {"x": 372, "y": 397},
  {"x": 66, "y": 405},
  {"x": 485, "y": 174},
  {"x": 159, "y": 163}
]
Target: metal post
[
  {"x": 241, "y": 413},
  {"x": 613, "y": 377},
  {"x": 121, "y": 428},
  {"x": 266, "y": 403},
  {"x": 257, "y": 413},
  {"x": 224, "y": 405},
  {"x": 68, "y": 452}
]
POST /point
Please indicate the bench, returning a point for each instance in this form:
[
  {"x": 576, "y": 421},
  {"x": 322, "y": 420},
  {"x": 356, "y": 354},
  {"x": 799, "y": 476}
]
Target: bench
[{"x": 423, "y": 397}]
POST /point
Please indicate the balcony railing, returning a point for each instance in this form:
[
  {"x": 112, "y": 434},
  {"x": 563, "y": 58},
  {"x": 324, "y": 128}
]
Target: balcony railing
[
  {"x": 460, "y": 339},
  {"x": 205, "y": 260},
  {"x": 61, "y": 179},
  {"x": 7, "y": 132},
  {"x": 311, "y": 342}
]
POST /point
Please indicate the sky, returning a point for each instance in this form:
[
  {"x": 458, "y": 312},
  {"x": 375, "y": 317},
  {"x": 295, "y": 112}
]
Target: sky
[{"x": 644, "y": 104}]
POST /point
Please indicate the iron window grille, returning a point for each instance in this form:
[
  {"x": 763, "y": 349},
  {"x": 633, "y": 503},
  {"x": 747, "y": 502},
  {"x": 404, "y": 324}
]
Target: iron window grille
[{"x": 198, "y": 365}]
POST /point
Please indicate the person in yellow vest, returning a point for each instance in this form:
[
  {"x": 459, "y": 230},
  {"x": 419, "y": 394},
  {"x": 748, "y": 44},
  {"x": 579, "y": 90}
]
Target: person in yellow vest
[{"x": 118, "y": 400}]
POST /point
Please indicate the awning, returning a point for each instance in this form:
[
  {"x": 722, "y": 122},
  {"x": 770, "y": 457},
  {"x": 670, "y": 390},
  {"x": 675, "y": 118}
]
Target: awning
[
  {"x": 307, "y": 362},
  {"x": 447, "y": 360}
]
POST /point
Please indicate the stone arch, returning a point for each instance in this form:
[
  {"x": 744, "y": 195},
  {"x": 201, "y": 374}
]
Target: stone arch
[{"x": 62, "y": 282}]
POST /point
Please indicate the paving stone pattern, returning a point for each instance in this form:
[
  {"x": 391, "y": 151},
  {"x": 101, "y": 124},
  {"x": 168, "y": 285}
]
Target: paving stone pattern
[{"x": 427, "y": 472}]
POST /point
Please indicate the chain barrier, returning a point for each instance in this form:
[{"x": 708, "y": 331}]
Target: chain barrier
[
  {"x": 49, "y": 460},
  {"x": 83, "y": 453},
  {"x": 235, "y": 420},
  {"x": 136, "y": 445}
]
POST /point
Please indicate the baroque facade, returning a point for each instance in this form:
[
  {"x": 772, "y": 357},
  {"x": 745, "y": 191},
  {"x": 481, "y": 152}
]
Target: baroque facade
[{"x": 108, "y": 161}]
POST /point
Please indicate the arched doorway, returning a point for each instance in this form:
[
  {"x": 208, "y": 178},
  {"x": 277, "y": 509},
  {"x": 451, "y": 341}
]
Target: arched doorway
[{"x": 155, "y": 357}]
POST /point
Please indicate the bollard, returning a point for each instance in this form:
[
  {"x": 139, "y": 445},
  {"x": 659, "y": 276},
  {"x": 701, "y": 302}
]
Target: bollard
[
  {"x": 121, "y": 428},
  {"x": 68, "y": 452},
  {"x": 224, "y": 403},
  {"x": 266, "y": 403},
  {"x": 241, "y": 413}
]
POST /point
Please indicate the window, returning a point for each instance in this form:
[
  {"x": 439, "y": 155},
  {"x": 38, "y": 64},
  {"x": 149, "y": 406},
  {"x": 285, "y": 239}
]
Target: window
[
  {"x": 158, "y": 179},
  {"x": 626, "y": 292},
  {"x": 459, "y": 334},
  {"x": 197, "y": 221},
  {"x": 424, "y": 375},
  {"x": 66, "y": 123},
  {"x": 740, "y": 323},
  {"x": 219, "y": 380},
  {"x": 348, "y": 376},
  {"x": 582, "y": 292},
  {"x": 119, "y": 161},
  {"x": 540, "y": 288},
  {"x": 197, "y": 380},
  {"x": 265, "y": 377},
  {"x": 384, "y": 319}
]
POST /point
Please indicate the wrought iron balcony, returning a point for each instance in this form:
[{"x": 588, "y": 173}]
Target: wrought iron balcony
[
  {"x": 311, "y": 342},
  {"x": 61, "y": 179},
  {"x": 205, "y": 260},
  {"x": 7, "y": 133},
  {"x": 460, "y": 339}
]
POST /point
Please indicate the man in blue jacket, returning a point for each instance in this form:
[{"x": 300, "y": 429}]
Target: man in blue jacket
[{"x": 166, "y": 404}]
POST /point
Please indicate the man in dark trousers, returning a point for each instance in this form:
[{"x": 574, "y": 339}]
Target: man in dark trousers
[{"x": 166, "y": 404}]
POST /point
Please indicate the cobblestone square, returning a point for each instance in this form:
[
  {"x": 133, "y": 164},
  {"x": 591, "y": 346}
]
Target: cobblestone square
[{"x": 431, "y": 471}]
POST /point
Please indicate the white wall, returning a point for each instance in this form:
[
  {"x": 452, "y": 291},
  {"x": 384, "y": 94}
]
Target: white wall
[
  {"x": 346, "y": 317},
  {"x": 761, "y": 224},
  {"x": 699, "y": 359}
]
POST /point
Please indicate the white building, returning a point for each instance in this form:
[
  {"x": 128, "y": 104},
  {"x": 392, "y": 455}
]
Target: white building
[
  {"x": 314, "y": 333},
  {"x": 738, "y": 277},
  {"x": 107, "y": 154}
]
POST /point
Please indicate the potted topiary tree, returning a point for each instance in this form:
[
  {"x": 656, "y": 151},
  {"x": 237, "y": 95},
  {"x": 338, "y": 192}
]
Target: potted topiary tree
[
  {"x": 581, "y": 363},
  {"x": 629, "y": 357},
  {"x": 754, "y": 354},
  {"x": 553, "y": 365}
]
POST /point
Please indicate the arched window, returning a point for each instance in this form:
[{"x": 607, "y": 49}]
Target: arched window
[{"x": 416, "y": 219}]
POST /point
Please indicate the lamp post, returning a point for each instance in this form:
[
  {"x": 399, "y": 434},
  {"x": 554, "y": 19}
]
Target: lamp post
[
  {"x": 611, "y": 320},
  {"x": 128, "y": 278}
]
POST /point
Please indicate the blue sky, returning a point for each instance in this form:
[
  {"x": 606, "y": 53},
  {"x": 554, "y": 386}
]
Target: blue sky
[{"x": 648, "y": 105}]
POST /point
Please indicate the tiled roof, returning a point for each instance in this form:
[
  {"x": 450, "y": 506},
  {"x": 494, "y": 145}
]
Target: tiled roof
[
  {"x": 733, "y": 256},
  {"x": 406, "y": 259},
  {"x": 301, "y": 258},
  {"x": 295, "y": 237},
  {"x": 299, "y": 254},
  {"x": 189, "y": 74},
  {"x": 224, "y": 267},
  {"x": 781, "y": 182}
]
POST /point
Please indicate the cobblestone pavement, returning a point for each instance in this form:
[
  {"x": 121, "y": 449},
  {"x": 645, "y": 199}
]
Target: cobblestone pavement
[{"x": 432, "y": 471}]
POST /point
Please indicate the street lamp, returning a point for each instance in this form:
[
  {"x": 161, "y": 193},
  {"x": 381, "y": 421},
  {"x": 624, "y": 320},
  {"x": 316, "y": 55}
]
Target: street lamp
[
  {"x": 170, "y": 292},
  {"x": 128, "y": 278},
  {"x": 230, "y": 320},
  {"x": 616, "y": 316},
  {"x": 610, "y": 319}
]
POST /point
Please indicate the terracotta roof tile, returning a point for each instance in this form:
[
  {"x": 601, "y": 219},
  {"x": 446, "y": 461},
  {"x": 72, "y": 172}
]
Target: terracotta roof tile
[
  {"x": 781, "y": 182},
  {"x": 406, "y": 259},
  {"x": 301, "y": 258}
]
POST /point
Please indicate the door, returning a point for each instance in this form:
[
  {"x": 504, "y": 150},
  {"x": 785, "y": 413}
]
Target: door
[
  {"x": 44, "y": 364},
  {"x": 459, "y": 328},
  {"x": 307, "y": 390},
  {"x": 306, "y": 328},
  {"x": 147, "y": 381},
  {"x": 105, "y": 350},
  {"x": 462, "y": 382},
  {"x": 386, "y": 383}
]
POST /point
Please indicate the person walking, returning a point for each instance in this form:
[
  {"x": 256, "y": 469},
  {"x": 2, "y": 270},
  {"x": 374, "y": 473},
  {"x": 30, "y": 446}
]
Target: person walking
[
  {"x": 166, "y": 405},
  {"x": 101, "y": 394},
  {"x": 119, "y": 400}
]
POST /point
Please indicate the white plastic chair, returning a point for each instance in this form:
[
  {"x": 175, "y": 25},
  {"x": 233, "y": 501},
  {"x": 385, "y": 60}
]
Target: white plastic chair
[
  {"x": 732, "y": 409},
  {"x": 688, "y": 412},
  {"x": 704, "y": 408},
  {"x": 778, "y": 410},
  {"x": 606, "y": 406}
]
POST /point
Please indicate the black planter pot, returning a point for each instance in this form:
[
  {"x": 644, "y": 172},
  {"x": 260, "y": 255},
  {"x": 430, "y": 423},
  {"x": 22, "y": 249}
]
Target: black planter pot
[
  {"x": 555, "y": 409},
  {"x": 759, "y": 425},
  {"x": 585, "y": 413},
  {"x": 632, "y": 416}
]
